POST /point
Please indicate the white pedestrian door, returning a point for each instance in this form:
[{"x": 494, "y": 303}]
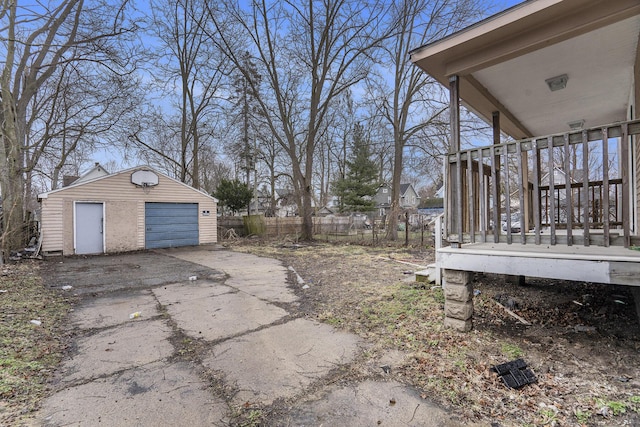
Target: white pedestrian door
[{"x": 89, "y": 228}]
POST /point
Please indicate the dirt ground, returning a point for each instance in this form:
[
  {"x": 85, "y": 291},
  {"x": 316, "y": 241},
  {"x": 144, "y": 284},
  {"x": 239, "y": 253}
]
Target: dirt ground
[{"x": 583, "y": 343}]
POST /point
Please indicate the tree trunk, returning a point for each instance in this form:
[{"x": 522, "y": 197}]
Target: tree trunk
[
  {"x": 394, "y": 211},
  {"x": 11, "y": 178}
]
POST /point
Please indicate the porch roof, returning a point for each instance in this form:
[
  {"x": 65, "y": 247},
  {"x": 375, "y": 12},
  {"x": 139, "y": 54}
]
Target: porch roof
[{"x": 504, "y": 61}]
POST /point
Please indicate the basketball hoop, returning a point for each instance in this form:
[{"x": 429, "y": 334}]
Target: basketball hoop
[{"x": 144, "y": 179}]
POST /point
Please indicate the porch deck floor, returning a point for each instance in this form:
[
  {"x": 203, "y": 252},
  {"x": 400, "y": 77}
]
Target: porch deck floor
[
  {"x": 594, "y": 253},
  {"x": 599, "y": 264}
]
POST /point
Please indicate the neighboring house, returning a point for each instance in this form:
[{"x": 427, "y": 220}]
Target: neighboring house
[
  {"x": 326, "y": 211},
  {"x": 138, "y": 208},
  {"x": 383, "y": 199},
  {"x": 439, "y": 194},
  {"x": 95, "y": 172},
  {"x": 409, "y": 198},
  {"x": 285, "y": 205},
  {"x": 558, "y": 77}
]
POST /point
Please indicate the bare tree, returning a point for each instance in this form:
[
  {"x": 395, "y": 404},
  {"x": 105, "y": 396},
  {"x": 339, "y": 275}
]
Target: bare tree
[
  {"x": 308, "y": 53},
  {"x": 36, "y": 42},
  {"x": 193, "y": 75},
  {"x": 80, "y": 108},
  {"x": 334, "y": 147},
  {"x": 404, "y": 101}
]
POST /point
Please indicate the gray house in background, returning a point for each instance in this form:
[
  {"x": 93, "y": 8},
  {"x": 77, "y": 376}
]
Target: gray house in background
[{"x": 409, "y": 198}]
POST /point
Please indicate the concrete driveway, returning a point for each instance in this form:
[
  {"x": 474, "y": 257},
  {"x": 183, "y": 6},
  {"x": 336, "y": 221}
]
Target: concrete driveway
[{"x": 196, "y": 336}]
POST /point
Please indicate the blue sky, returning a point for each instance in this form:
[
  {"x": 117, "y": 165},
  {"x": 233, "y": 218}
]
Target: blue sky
[{"x": 104, "y": 156}]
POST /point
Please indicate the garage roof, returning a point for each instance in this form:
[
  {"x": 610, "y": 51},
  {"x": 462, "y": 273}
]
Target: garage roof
[{"x": 82, "y": 181}]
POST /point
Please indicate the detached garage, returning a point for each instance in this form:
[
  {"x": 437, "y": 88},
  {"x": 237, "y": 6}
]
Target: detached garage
[{"x": 137, "y": 208}]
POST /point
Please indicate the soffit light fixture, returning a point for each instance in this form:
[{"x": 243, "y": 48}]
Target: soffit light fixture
[
  {"x": 557, "y": 83},
  {"x": 576, "y": 125}
]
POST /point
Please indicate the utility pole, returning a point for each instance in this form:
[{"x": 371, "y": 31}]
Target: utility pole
[{"x": 247, "y": 150}]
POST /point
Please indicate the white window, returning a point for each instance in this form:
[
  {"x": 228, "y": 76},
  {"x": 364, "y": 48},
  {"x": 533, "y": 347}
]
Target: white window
[{"x": 385, "y": 190}]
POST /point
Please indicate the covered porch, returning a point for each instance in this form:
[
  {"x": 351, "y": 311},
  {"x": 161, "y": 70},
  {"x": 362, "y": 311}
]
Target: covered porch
[{"x": 556, "y": 195}]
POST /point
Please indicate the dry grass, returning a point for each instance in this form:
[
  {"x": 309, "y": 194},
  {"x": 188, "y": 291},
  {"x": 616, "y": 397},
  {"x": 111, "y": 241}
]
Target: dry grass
[
  {"x": 29, "y": 353},
  {"x": 357, "y": 289}
]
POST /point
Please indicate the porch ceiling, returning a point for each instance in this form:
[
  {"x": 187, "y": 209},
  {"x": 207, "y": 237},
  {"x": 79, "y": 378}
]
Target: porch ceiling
[{"x": 504, "y": 61}]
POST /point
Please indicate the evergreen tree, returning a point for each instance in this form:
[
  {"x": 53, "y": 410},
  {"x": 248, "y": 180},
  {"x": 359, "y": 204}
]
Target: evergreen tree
[
  {"x": 234, "y": 194},
  {"x": 356, "y": 190}
]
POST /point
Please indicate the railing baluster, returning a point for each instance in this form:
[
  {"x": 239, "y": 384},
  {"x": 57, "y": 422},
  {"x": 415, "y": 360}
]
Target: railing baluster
[
  {"x": 626, "y": 213},
  {"x": 507, "y": 195},
  {"x": 568, "y": 191},
  {"x": 495, "y": 195},
  {"x": 470, "y": 193},
  {"x": 521, "y": 191},
  {"x": 459, "y": 212},
  {"x": 536, "y": 189},
  {"x": 481, "y": 196},
  {"x": 552, "y": 192},
  {"x": 605, "y": 185},
  {"x": 585, "y": 180},
  {"x": 476, "y": 203}
]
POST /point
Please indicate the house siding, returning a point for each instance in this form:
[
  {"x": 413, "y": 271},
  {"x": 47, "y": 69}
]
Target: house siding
[
  {"x": 51, "y": 225},
  {"x": 124, "y": 211}
]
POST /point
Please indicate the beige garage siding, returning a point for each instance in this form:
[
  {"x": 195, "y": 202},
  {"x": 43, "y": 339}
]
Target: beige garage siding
[
  {"x": 51, "y": 225},
  {"x": 124, "y": 211}
]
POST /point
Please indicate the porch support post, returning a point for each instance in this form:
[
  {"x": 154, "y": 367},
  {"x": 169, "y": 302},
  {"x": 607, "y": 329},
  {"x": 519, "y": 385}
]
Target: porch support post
[
  {"x": 458, "y": 300},
  {"x": 454, "y": 189},
  {"x": 454, "y": 113}
]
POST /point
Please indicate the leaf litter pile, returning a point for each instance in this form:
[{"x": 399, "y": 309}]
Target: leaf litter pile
[
  {"x": 583, "y": 341},
  {"x": 32, "y": 339}
]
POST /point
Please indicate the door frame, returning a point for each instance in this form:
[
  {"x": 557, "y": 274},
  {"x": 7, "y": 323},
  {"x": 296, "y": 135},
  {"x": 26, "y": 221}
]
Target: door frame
[{"x": 104, "y": 222}]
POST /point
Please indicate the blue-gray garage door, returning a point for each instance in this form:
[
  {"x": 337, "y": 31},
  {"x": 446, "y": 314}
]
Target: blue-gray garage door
[{"x": 169, "y": 225}]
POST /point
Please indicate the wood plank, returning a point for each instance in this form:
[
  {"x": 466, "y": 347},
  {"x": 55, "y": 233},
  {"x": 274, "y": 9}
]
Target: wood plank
[
  {"x": 483, "y": 202},
  {"x": 536, "y": 191},
  {"x": 470, "y": 200},
  {"x": 524, "y": 225},
  {"x": 600, "y": 265},
  {"x": 624, "y": 158},
  {"x": 507, "y": 196},
  {"x": 449, "y": 187},
  {"x": 494, "y": 195},
  {"x": 575, "y": 138},
  {"x": 497, "y": 151},
  {"x": 552, "y": 192},
  {"x": 454, "y": 220},
  {"x": 514, "y": 315},
  {"x": 520, "y": 264},
  {"x": 568, "y": 190},
  {"x": 605, "y": 185},
  {"x": 458, "y": 212},
  {"x": 624, "y": 273},
  {"x": 585, "y": 181},
  {"x": 454, "y": 113}
]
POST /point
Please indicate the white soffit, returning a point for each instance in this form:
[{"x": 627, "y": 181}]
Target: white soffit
[{"x": 599, "y": 65}]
